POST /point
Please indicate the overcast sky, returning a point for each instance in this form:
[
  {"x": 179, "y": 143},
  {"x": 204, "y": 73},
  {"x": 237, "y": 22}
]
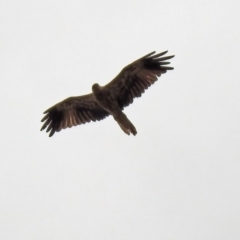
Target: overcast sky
[{"x": 178, "y": 178}]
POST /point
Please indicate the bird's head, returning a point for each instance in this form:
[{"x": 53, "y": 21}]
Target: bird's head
[{"x": 96, "y": 88}]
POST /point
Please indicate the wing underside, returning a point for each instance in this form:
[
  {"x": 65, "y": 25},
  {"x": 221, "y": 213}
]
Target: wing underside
[
  {"x": 72, "y": 112},
  {"x": 138, "y": 76}
]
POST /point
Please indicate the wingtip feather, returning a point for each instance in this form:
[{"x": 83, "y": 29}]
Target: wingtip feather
[
  {"x": 149, "y": 54},
  {"x": 167, "y": 68},
  {"x": 160, "y": 54},
  {"x": 163, "y": 58}
]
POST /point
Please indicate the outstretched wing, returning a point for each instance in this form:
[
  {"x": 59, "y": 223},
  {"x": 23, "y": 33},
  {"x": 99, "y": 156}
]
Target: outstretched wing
[
  {"x": 72, "y": 111},
  {"x": 135, "y": 78}
]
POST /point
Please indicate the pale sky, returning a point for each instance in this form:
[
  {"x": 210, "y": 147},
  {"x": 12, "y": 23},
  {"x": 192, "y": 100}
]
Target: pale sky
[{"x": 177, "y": 179}]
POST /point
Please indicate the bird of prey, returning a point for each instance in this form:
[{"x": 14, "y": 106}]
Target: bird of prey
[{"x": 110, "y": 99}]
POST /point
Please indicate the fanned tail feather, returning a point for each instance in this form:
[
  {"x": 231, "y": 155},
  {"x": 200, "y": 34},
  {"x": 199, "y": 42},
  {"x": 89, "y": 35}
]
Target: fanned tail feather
[{"x": 125, "y": 124}]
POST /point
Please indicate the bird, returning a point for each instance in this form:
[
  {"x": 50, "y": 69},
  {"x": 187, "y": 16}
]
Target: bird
[{"x": 110, "y": 99}]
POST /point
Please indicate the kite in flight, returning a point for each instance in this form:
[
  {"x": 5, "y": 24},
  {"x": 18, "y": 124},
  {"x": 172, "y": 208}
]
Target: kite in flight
[{"x": 110, "y": 99}]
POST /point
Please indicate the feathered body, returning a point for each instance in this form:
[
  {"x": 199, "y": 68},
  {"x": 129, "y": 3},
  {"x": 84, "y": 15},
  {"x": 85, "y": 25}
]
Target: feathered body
[{"x": 110, "y": 99}]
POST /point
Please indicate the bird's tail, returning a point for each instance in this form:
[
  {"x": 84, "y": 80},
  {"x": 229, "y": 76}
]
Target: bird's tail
[{"x": 125, "y": 124}]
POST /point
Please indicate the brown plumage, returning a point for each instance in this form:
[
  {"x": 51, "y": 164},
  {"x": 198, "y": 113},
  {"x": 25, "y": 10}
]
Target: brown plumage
[{"x": 110, "y": 99}]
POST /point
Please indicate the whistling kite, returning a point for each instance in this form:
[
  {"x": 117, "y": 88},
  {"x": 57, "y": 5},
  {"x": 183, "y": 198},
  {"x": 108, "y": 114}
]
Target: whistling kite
[{"x": 109, "y": 99}]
